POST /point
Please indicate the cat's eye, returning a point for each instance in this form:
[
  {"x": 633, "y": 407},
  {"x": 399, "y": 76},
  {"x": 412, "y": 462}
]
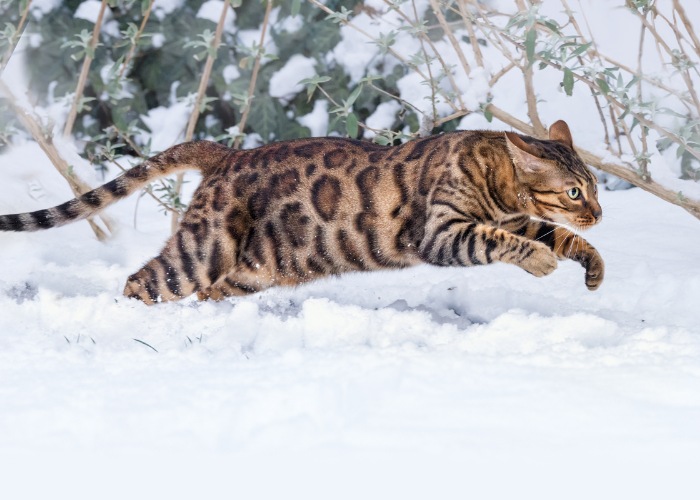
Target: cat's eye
[{"x": 574, "y": 193}]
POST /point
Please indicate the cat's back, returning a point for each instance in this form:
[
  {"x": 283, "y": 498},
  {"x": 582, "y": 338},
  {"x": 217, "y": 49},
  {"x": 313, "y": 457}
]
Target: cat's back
[{"x": 311, "y": 155}]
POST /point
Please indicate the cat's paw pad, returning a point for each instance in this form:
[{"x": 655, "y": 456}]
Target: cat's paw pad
[
  {"x": 541, "y": 261},
  {"x": 595, "y": 271}
]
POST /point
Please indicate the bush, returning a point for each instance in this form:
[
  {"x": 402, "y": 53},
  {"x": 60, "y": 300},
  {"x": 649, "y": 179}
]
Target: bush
[{"x": 164, "y": 72}]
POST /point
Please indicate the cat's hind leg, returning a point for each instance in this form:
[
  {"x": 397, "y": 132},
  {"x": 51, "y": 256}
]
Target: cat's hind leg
[
  {"x": 185, "y": 265},
  {"x": 238, "y": 282}
]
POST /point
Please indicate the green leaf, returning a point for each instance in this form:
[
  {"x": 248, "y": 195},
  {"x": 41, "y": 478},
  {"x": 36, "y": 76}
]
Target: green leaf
[
  {"x": 353, "y": 97},
  {"x": 351, "y": 125},
  {"x": 265, "y": 115},
  {"x": 488, "y": 115},
  {"x": 604, "y": 87},
  {"x": 530, "y": 40},
  {"x": 581, "y": 49},
  {"x": 296, "y": 6},
  {"x": 568, "y": 82},
  {"x": 315, "y": 80}
]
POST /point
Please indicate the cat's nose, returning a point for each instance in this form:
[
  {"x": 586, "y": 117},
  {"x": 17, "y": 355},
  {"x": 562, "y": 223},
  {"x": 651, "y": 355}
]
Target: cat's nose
[{"x": 597, "y": 213}]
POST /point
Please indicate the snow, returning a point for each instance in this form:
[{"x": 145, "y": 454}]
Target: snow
[
  {"x": 167, "y": 124},
  {"x": 163, "y": 7},
  {"x": 250, "y": 38},
  {"x": 284, "y": 83},
  {"x": 289, "y": 24},
  {"x": 382, "y": 118},
  {"x": 317, "y": 120},
  {"x": 90, "y": 10},
  {"x": 211, "y": 10},
  {"x": 157, "y": 40},
  {"x": 230, "y": 73},
  {"x": 414, "y": 381},
  {"x": 40, "y": 8}
]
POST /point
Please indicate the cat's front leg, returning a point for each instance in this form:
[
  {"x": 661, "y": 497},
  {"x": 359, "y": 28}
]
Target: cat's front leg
[
  {"x": 572, "y": 246},
  {"x": 564, "y": 243},
  {"x": 460, "y": 242}
]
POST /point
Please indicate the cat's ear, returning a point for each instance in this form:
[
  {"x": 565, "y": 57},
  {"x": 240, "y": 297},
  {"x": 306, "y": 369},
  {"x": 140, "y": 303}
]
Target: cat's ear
[
  {"x": 524, "y": 155},
  {"x": 559, "y": 131}
]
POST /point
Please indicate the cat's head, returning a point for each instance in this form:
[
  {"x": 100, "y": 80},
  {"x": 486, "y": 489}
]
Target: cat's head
[{"x": 555, "y": 184}]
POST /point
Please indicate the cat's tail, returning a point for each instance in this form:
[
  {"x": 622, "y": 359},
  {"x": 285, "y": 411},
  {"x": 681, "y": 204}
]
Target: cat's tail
[{"x": 205, "y": 156}]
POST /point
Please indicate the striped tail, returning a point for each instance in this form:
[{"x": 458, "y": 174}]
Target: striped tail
[{"x": 201, "y": 155}]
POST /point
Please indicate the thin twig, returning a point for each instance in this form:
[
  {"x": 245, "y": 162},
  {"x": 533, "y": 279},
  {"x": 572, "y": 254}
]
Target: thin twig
[
  {"x": 531, "y": 99},
  {"x": 500, "y": 73},
  {"x": 686, "y": 74},
  {"x": 335, "y": 103},
  {"x": 450, "y": 36},
  {"x": 466, "y": 17},
  {"x": 579, "y": 32},
  {"x": 194, "y": 116},
  {"x": 254, "y": 75},
  {"x": 391, "y": 51},
  {"x": 612, "y": 100},
  {"x": 132, "y": 50},
  {"x": 45, "y": 142},
  {"x": 15, "y": 39},
  {"x": 436, "y": 53},
  {"x": 82, "y": 79},
  {"x": 687, "y": 24},
  {"x": 141, "y": 155},
  {"x": 643, "y": 159},
  {"x": 431, "y": 81},
  {"x": 148, "y": 191}
]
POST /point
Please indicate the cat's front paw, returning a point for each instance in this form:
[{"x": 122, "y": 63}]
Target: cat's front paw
[
  {"x": 595, "y": 270},
  {"x": 539, "y": 260}
]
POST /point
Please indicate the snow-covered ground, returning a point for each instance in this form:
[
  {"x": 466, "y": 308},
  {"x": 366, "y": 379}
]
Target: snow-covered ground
[{"x": 423, "y": 383}]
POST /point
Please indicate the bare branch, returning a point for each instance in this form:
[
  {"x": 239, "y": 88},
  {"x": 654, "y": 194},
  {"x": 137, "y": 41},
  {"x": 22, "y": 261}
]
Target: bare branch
[
  {"x": 194, "y": 116},
  {"x": 45, "y": 142},
  {"x": 254, "y": 76},
  {"x": 82, "y": 79},
  {"x": 688, "y": 26},
  {"x": 132, "y": 50},
  {"x": 18, "y": 34}
]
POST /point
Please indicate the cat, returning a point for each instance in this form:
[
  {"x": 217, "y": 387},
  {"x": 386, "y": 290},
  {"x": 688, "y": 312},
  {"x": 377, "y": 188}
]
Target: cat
[{"x": 293, "y": 211}]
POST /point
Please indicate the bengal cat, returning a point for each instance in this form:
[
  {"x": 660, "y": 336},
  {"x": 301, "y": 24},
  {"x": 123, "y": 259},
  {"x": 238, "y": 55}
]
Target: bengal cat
[{"x": 290, "y": 212}]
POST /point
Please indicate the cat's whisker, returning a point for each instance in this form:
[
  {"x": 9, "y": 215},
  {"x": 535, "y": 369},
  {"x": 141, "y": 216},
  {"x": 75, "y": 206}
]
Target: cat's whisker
[
  {"x": 546, "y": 234},
  {"x": 577, "y": 240},
  {"x": 558, "y": 224}
]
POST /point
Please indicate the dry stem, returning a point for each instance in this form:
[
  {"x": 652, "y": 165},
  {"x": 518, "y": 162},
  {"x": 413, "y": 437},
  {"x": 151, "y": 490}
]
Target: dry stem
[
  {"x": 82, "y": 80},
  {"x": 45, "y": 142},
  {"x": 194, "y": 116},
  {"x": 688, "y": 26},
  {"x": 18, "y": 34},
  {"x": 254, "y": 75},
  {"x": 132, "y": 50}
]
